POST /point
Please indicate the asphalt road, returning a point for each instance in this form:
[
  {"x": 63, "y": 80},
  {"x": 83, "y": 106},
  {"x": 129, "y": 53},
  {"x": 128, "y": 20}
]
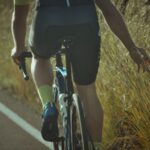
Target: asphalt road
[{"x": 18, "y": 135}]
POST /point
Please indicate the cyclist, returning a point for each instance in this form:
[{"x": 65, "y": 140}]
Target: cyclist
[{"x": 52, "y": 20}]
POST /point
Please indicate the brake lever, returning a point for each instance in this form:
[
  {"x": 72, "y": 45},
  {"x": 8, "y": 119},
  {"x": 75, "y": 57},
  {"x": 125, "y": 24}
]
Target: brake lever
[{"x": 22, "y": 65}]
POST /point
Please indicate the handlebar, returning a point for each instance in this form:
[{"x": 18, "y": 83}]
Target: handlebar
[{"x": 22, "y": 65}]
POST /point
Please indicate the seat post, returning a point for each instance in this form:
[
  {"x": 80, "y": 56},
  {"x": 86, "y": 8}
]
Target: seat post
[
  {"x": 67, "y": 42},
  {"x": 59, "y": 60}
]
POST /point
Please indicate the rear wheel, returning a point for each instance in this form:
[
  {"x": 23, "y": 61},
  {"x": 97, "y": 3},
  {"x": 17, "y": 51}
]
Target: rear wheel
[{"x": 79, "y": 140}]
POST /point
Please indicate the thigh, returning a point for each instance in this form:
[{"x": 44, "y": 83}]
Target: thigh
[{"x": 85, "y": 55}]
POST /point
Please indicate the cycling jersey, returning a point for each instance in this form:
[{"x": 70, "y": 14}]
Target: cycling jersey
[
  {"x": 67, "y": 3},
  {"x": 21, "y": 2}
]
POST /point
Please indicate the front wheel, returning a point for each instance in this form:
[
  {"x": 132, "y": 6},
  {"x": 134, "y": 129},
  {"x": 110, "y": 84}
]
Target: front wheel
[{"x": 79, "y": 139}]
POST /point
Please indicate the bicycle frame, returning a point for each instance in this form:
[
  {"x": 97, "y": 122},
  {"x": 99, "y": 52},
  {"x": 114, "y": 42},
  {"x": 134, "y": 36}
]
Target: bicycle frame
[
  {"x": 63, "y": 83},
  {"x": 63, "y": 94}
]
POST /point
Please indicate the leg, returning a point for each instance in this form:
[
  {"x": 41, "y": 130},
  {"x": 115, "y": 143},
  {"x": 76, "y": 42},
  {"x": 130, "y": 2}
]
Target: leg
[
  {"x": 42, "y": 42},
  {"x": 85, "y": 62},
  {"x": 41, "y": 70},
  {"x": 43, "y": 77},
  {"x": 93, "y": 110}
]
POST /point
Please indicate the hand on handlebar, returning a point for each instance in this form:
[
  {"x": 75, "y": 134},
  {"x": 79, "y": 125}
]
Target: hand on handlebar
[
  {"x": 141, "y": 58},
  {"x": 15, "y": 54},
  {"x": 19, "y": 58}
]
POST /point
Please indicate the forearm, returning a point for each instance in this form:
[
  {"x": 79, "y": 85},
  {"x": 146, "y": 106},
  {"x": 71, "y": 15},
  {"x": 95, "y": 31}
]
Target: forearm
[
  {"x": 19, "y": 25},
  {"x": 117, "y": 25},
  {"x": 119, "y": 29}
]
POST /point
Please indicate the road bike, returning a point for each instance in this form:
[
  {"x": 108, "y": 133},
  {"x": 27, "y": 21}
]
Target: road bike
[{"x": 75, "y": 133}]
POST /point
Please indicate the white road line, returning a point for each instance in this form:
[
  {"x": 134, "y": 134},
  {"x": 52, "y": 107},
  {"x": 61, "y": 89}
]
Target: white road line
[{"x": 24, "y": 125}]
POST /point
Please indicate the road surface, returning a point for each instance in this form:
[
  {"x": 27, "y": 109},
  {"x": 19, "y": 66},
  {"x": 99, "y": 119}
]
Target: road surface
[{"x": 19, "y": 125}]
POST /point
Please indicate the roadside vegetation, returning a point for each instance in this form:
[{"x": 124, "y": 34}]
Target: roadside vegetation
[{"x": 124, "y": 93}]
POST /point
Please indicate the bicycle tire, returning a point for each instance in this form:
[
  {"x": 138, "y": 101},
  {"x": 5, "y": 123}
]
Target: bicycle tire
[{"x": 79, "y": 138}]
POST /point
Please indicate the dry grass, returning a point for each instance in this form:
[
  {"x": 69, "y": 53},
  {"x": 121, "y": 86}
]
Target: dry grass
[{"x": 124, "y": 93}]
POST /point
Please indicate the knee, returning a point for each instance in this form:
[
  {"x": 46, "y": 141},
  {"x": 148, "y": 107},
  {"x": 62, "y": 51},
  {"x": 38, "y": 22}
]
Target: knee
[{"x": 86, "y": 88}]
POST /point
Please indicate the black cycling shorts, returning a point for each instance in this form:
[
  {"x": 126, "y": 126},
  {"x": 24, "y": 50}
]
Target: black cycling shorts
[{"x": 51, "y": 24}]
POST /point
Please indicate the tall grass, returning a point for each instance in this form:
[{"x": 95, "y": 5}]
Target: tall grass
[
  {"x": 124, "y": 93},
  {"x": 10, "y": 76}
]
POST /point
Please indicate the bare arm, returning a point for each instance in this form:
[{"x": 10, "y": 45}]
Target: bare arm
[
  {"x": 116, "y": 22},
  {"x": 18, "y": 28},
  {"x": 117, "y": 25},
  {"x": 19, "y": 25}
]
